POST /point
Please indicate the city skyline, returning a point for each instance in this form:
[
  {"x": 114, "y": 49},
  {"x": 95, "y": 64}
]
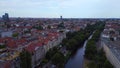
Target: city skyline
[{"x": 56, "y": 8}]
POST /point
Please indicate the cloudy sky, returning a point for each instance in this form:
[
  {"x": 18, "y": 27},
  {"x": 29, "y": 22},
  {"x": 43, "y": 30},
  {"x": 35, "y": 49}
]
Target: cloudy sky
[{"x": 66, "y": 8}]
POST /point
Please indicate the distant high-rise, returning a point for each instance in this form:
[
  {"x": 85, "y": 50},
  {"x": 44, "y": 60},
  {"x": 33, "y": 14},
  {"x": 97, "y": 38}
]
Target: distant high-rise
[
  {"x": 60, "y": 17},
  {"x": 6, "y": 17}
]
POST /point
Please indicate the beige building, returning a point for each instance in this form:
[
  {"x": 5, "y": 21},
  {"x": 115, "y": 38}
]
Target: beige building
[{"x": 112, "y": 53}]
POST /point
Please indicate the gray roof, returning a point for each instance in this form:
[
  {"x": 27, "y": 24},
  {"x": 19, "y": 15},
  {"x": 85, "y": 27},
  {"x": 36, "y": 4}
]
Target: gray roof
[{"x": 114, "y": 47}]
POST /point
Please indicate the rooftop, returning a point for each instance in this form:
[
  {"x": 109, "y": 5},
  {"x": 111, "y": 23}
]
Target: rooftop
[
  {"x": 9, "y": 55},
  {"x": 114, "y": 46}
]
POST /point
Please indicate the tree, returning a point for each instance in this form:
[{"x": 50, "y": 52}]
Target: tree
[
  {"x": 64, "y": 41},
  {"x": 112, "y": 39},
  {"x": 49, "y": 27},
  {"x": 2, "y": 46},
  {"x": 69, "y": 35},
  {"x": 91, "y": 50},
  {"x": 39, "y": 27},
  {"x": 61, "y": 25},
  {"x": 107, "y": 64},
  {"x": 51, "y": 52},
  {"x": 15, "y": 35},
  {"x": 25, "y": 59},
  {"x": 71, "y": 44},
  {"x": 43, "y": 62},
  {"x": 58, "y": 59},
  {"x": 92, "y": 65}
]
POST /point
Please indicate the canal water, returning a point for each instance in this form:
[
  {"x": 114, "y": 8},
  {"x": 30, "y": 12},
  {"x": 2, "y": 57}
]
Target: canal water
[{"x": 76, "y": 61}]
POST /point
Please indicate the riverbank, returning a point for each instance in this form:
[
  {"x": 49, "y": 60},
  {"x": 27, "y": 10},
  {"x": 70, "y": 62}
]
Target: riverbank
[
  {"x": 76, "y": 61},
  {"x": 94, "y": 56},
  {"x": 86, "y": 61}
]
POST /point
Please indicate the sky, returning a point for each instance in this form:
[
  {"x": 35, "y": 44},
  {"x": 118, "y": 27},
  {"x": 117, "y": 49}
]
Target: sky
[{"x": 56, "y": 8}]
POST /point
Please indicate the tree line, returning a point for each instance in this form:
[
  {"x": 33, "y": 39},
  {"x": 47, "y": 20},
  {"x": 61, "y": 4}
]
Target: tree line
[
  {"x": 76, "y": 39},
  {"x": 97, "y": 57}
]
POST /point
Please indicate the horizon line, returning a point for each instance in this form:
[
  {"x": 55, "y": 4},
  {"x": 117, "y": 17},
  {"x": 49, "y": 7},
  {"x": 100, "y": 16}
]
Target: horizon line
[{"x": 72, "y": 17}]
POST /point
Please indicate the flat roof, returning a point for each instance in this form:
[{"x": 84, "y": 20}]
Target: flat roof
[{"x": 114, "y": 46}]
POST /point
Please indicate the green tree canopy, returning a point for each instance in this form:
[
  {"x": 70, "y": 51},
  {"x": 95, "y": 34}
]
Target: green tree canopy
[
  {"x": 25, "y": 59},
  {"x": 58, "y": 58}
]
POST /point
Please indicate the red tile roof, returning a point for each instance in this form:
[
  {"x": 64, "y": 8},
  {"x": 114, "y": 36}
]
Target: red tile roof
[
  {"x": 11, "y": 44},
  {"x": 31, "y": 47},
  {"x": 21, "y": 41},
  {"x": 5, "y": 39}
]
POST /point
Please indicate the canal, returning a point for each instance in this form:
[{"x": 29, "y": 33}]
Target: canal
[{"x": 76, "y": 60}]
